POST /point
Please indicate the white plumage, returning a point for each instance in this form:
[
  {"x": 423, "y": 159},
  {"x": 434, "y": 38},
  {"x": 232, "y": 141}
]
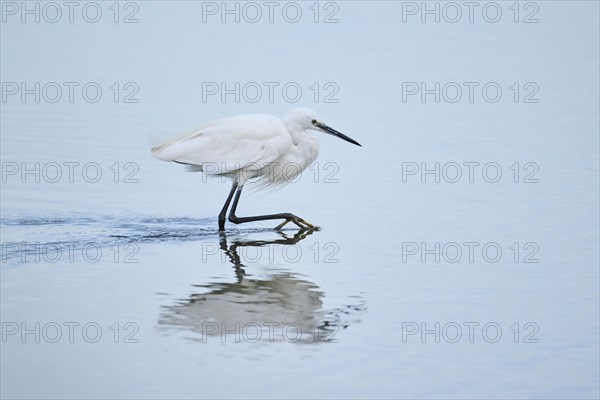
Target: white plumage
[{"x": 250, "y": 146}]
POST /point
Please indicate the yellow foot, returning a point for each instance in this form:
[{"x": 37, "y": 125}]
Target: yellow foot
[{"x": 302, "y": 224}]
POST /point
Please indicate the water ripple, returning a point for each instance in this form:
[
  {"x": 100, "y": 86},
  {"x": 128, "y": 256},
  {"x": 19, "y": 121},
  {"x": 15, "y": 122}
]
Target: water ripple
[{"x": 30, "y": 234}]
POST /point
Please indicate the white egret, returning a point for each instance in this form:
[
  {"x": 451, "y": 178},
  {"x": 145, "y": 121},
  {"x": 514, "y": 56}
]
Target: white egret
[{"x": 251, "y": 146}]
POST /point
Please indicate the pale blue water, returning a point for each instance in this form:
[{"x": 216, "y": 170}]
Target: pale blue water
[{"x": 347, "y": 311}]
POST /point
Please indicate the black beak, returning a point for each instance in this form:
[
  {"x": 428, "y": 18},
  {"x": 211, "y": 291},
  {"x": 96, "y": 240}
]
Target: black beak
[{"x": 333, "y": 132}]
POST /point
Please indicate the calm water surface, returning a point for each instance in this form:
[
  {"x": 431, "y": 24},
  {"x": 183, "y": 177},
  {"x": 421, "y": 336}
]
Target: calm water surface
[{"x": 470, "y": 286}]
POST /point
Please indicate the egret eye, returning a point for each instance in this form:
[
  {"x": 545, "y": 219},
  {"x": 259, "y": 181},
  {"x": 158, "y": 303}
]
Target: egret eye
[{"x": 314, "y": 121}]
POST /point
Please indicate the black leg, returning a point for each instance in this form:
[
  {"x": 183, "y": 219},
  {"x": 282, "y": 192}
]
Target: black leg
[
  {"x": 225, "y": 207},
  {"x": 286, "y": 216}
]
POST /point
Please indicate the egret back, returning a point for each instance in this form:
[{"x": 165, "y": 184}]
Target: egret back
[{"x": 244, "y": 143}]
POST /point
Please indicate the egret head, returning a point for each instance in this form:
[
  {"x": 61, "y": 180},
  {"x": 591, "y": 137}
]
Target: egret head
[{"x": 306, "y": 119}]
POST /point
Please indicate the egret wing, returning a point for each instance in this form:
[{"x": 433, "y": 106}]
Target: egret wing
[{"x": 228, "y": 145}]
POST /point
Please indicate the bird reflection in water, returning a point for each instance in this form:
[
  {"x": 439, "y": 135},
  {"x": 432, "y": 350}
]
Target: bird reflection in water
[{"x": 281, "y": 307}]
